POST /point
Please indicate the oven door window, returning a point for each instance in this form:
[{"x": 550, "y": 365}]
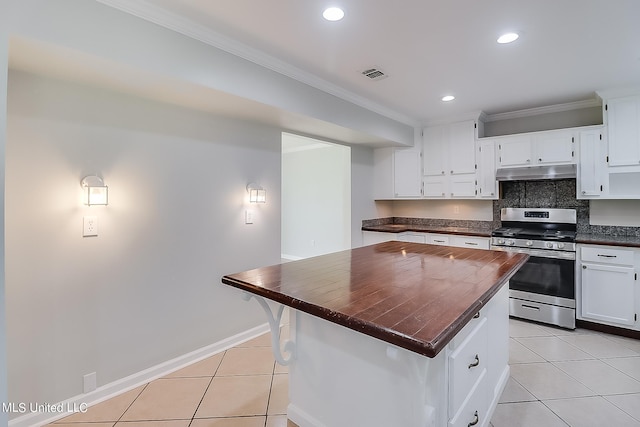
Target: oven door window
[{"x": 547, "y": 276}]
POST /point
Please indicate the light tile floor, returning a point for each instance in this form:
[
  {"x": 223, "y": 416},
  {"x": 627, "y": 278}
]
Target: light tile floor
[
  {"x": 562, "y": 378},
  {"x": 558, "y": 378}
]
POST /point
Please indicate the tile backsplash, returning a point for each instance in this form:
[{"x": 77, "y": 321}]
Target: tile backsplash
[{"x": 559, "y": 193}]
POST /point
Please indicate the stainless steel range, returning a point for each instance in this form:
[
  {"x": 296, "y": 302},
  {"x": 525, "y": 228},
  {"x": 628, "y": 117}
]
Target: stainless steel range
[{"x": 544, "y": 288}]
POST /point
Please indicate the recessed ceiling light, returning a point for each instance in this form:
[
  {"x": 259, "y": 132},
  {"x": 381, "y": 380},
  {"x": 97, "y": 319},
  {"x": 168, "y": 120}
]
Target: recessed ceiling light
[
  {"x": 333, "y": 14},
  {"x": 448, "y": 98},
  {"x": 508, "y": 38}
]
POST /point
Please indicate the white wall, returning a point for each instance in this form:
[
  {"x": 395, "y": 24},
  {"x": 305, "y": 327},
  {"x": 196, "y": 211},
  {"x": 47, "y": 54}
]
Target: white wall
[
  {"x": 615, "y": 212},
  {"x": 147, "y": 289},
  {"x": 4, "y": 58},
  {"x": 316, "y": 197},
  {"x": 479, "y": 210}
]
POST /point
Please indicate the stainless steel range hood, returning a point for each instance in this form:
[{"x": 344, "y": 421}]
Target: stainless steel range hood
[{"x": 533, "y": 173}]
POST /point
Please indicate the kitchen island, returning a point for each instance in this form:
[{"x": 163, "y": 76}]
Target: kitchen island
[{"x": 391, "y": 334}]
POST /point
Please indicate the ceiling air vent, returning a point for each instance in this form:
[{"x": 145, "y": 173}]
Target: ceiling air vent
[{"x": 374, "y": 74}]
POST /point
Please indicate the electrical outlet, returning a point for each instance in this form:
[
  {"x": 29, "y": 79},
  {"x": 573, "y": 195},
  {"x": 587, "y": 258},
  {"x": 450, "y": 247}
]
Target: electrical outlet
[
  {"x": 89, "y": 226},
  {"x": 456, "y": 209},
  {"x": 89, "y": 382}
]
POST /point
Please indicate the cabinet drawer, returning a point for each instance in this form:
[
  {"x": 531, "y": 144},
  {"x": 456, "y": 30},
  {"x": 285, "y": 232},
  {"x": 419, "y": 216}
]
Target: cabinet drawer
[
  {"x": 606, "y": 255},
  {"x": 412, "y": 237},
  {"x": 470, "y": 242},
  {"x": 466, "y": 364},
  {"x": 474, "y": 409},
  {"x": 438, "y": 239}
]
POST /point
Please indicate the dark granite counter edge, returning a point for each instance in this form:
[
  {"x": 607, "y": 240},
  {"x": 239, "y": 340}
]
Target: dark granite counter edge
[
  {"x": 608, "y": 240},
  {"x": 397, "y": 228},
  {"x": 429, "y": 225}
]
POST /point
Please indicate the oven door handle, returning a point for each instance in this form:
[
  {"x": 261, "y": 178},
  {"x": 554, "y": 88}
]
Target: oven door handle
[{"x": 570, "y": 256}]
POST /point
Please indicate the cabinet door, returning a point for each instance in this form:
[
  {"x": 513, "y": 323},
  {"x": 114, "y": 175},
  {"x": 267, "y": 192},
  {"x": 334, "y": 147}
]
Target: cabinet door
[
  {"x": 515, "y": 151},
  {"x": 592, "y": 164},
  {"x": 486, "y": 174},
  {"x": 608, "y": 293},
  {"x": 435, "y": 151},
  {"x": 554, "y": 147},
  {"x": 435, "y": 186},
  {"x": 407, "y": 173},
  {"x": 463, "y": 185},
  {"x": 623, "y": 123},
  {"x": 462, "y": 155}
]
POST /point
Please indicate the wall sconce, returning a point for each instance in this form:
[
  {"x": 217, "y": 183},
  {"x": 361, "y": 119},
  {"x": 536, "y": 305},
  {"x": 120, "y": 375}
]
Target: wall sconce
[
  {"x": 95, "y": 192},
  {"x": 257, "y": 194}
]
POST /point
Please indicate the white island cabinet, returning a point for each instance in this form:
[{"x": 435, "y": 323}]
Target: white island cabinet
[{"x": 393, "y": 334}]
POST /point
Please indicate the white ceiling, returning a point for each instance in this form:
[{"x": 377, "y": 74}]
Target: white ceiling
[{"x": 567, "y": 49}]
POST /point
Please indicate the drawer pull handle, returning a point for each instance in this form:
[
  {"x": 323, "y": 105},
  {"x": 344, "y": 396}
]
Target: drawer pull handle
[
  {"x": 471, "y": 243},
  {"x": 477, "y": 315},
  {"x": 475, "y": 363},
  {"x": 439, "y": 241},
  {"x": 608, "y": 256},
  {"x": 531, "y": 307},
  {"x": 475, "y": 420}
]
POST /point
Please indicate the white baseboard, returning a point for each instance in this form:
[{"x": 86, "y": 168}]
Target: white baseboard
[
  {"x": 107, "y": 391},
  {"x": 302, "y": 418},
  {"x": 290, "y": 257}
]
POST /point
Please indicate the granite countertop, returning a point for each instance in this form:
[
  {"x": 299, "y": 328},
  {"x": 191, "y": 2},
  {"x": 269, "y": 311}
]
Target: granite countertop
[
  {"x": 415, "y": 296},
  {"x": 399, "y": 228},
  {"x": 607, "y": 239}
]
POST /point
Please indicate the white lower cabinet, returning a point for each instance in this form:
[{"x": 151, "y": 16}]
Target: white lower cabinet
[
  {"x": 373, "y": 237},
  {"x": 459, "y": 241},
  {"x": 412, "y": 237},
  {"x": 608, "y": 279},
  {"x": 470, "y": 242},
  {"x": 438, "y": 239}
]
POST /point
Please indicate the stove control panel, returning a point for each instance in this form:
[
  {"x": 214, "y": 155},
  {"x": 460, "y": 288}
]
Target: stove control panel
[{"x": 534, "y": 244}]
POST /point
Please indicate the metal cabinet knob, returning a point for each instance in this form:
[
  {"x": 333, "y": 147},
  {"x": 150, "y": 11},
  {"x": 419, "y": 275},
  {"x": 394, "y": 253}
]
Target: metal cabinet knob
[
  {"x": 528, "y": 160},
  {"x": 584, "y": 192},
  {"x": 452, "y": 172},
  {"x": 539, "y": 160},
  {"x": 584, "y": 267},
  {"x": 442, "y": 172},
  {"x": 474, "y": 421},
  {"x": 475, "y": 363}
]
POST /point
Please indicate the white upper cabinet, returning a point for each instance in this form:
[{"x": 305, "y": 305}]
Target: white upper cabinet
[
  {"x": 435, "y": 140},
  {"x": 407, "y": 173},
  {"x": 515, "y": 150},
  {"x": 449, "y": 160},
  {"x": 462, "y": 159},
  {"x": 397, "y": 173},
  {"x": 556, "y": 147},
  {"x": 486, "y": 173},
  {"x": 622, "y": 118},
  {"x": 592, "y": 180},
  {"x": 539, "y": 148}
]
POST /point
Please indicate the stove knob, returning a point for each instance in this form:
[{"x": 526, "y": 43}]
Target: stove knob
[
  {"x": 510, "y": 242},
  {"x": 560, "y": 245},
  {"x": 549, "y": 245},
  {"x": 501, "y": 241},
  {"x": 529, "y": 242}
]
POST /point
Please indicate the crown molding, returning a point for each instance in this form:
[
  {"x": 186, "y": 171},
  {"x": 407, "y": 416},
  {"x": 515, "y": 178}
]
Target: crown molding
[
  {"x": 144, "y": 10},
  {"x": 589, "y": 103}
]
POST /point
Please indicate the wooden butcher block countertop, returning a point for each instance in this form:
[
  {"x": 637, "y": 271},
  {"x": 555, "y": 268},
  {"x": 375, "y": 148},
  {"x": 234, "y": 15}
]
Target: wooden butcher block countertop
[{"x": 412, "y": 295}]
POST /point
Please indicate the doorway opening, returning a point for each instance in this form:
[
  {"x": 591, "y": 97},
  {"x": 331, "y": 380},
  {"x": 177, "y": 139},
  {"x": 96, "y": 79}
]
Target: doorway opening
[{"x": 316, "y": 197}]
